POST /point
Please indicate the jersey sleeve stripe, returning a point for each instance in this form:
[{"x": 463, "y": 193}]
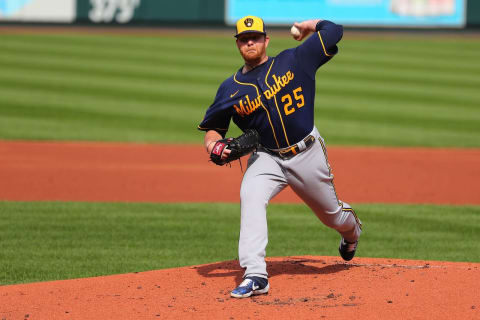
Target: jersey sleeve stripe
[
  {"x": 266, "y": 110},
  {"x": 323, "y": 45}
]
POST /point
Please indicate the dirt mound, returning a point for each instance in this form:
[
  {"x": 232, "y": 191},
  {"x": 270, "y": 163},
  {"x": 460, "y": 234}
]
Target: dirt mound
[{"x": 301, "y": 287}]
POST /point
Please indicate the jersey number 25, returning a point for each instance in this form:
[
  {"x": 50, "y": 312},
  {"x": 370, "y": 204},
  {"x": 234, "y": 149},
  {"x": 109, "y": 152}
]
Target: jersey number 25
[{"x": 288, "y": 102}]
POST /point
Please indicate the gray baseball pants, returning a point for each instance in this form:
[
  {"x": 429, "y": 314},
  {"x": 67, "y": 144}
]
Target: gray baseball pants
[{"x": 309, "y": 175}]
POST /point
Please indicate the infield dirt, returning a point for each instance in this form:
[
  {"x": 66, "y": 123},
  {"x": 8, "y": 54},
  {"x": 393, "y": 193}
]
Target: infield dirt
[
  {"x": 310, "y": 287},
  {"x": 36, "y": 171}
]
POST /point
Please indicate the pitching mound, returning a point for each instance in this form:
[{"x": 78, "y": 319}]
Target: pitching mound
[{"x": 301, "y": 287}]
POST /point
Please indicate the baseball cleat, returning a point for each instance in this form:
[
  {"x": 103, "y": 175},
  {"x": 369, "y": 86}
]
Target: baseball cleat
[
  {"x": 347, "y": 249},
  {"x": 251, "y": 286}
]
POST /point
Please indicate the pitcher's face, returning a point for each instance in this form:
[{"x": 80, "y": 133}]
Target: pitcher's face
[{"x": 252, "y": 46}]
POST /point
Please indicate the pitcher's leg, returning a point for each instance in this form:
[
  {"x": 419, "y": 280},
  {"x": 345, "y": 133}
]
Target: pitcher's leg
[
  {"x": 262, "y": 180},
  {"x": 315, "y": 186},
  {"x": 346, "y": 219}
]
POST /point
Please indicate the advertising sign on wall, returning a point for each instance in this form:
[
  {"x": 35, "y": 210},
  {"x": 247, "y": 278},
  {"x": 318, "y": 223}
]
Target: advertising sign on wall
[
  {"x": 374, "y": 13},
  {"x": 149, "y": 11},
  {"x": 120, "y": 11},
  {"x": 62, "y": 11}
]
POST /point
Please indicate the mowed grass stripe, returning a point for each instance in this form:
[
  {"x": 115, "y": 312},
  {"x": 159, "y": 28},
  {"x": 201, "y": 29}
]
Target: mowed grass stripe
[
  {"x": 115, "y": 86},
  {"x": 200, "y": 42},
  {"x": 71, "y": 126},
  {"x": 77, "y": 101},
  {"x": 393, "y": 83},
  {"x": 386, "y": 92},
  {"x": 47, "y": 111},
  {"x": 395, "y": 73},
  {"x": 127, "y": 54},
  {"x": 405, "y": 92},
  {"x": 136, "y": 44},
  {"x": 341, "y": 131},
  {"x": 59, "y": 109},
  {"x": 448, "y": 48},
  {"x": 346, "y": 104},
  {"x": 417, "y": 64},
  {"x": 105, "y": 61},
  {"x": 399, "y": 119},
  {"x": 72, "y": 102},
  {"x": 422, "y": 55},
  {"x": 40, "y": 128},
  {"x": 386, "y": 123},
  {"x": 186, "y": 74}
]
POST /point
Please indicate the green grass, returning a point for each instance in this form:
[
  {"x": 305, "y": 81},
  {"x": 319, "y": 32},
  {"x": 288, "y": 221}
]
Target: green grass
[
  {"x": 60, "y": 240},
  {"x": 402, "y": 90}
]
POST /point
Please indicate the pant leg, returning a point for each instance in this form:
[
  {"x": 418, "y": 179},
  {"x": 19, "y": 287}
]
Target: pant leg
[
  {"x": 310, "y": 177},
  {"x": 262, "y": 180}
]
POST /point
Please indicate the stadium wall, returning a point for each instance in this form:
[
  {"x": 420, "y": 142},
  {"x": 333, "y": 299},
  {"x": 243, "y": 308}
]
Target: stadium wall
[
  {"x": 150, "y": 11},
  {"x": 473, "y": 14}
]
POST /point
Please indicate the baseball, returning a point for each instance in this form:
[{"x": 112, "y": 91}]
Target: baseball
[{"x": 295, "y": 32}]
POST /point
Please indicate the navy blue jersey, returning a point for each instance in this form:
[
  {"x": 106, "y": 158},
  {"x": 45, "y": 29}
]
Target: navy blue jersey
[{"x": 277, "y": 97}]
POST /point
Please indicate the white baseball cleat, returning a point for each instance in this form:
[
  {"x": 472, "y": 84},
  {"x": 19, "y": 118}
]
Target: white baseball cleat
[{"x": 251, "y": 286}]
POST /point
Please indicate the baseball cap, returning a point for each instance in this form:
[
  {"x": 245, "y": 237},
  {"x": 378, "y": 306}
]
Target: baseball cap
[{"x": 249, "y": 24}]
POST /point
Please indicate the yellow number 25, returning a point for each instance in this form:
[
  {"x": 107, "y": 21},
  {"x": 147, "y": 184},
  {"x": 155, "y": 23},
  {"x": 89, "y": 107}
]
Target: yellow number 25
[{"x": 287, "y": 101}]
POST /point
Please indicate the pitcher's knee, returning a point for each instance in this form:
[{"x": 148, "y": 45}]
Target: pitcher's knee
[
  {"x": 343, "y": 220},
  {"x": 336, "y": 222}
]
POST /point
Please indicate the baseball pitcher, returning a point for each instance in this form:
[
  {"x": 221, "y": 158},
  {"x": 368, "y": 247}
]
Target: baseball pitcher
[{"x": 271, "y": 99}]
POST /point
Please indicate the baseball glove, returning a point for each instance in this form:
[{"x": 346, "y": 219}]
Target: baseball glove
[{"x": 239, "y": 146}]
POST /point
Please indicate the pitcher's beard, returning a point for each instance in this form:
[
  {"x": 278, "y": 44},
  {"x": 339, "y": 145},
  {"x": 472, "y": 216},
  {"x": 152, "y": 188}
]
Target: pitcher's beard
[{"x": 254, "y": 61}]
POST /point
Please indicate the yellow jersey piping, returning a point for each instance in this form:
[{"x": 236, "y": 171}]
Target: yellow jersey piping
[
  {"x": 354, "y": 215},
  {"x": 323, "y": 45},
  {"x": 276, "y": 104},
  {"x": 261, "y": 103},
  {"x": 324, "y": 149}
]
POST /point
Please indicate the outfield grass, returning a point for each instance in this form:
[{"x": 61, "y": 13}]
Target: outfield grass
[
  {"x": 61, "y": 240},
  {"x": 396, "y": 91}
]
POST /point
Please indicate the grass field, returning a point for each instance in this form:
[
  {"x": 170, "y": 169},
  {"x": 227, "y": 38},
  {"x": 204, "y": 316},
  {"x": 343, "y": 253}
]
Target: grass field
[
  {"x": 398, "y": 90},
  {"x": 54, "y": 240},
  {"x": 383, "y": 90}
]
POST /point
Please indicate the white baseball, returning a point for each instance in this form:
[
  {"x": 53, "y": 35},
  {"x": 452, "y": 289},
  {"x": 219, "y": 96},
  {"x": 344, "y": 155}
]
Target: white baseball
[{"x": 295, "y": 32}]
